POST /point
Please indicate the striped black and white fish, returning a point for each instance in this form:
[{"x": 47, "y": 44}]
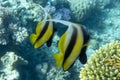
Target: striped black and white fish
[
  {"x": 44, "y": 33},
  {"x": 72, "y": 45}
]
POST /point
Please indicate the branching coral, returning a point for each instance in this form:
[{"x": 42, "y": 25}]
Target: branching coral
[
  {"x": 113, "y": 61},
  {"x": 104, "y": 64}
]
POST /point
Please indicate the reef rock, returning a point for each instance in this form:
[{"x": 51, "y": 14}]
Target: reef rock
[{"x": 8, "y": 67}]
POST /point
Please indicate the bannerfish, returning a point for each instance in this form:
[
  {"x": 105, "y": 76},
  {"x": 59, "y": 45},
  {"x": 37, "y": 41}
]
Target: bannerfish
[
  {"x": 44, "y": 33},
  {"x": 72, "y": 45}
]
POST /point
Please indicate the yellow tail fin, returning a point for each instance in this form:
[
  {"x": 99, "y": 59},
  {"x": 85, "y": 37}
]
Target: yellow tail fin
[{"x": 59, "y": 59}]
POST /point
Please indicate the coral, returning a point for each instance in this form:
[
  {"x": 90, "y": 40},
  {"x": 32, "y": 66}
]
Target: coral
[
  {"x": 50, "y": 9},
  {"x": 4, "y": 14},
  {"x": 81, "y": 9},
  {"x": 15, "y": 16},
  {"x": 62, "y": 13},
  {"x": 41, "y": 2},
  {"x": 3, "y": 37},
  {"x": 22, "y": 10},
  {"x": 9, "y": 62},
  {"x": 114, "y": 61},
  {"x": 104, "y": 64},
  {"x": 57, "y": 74},
  {"x": 58, "y": 2},
  {"x": 106, "y": 24},
  {"x": 11, "y": 33},
  {"x": 20, "y": 35},
  {"x": 30, "y": 12},
  {"x": 50, "y": 72},
  {"x": 1, "y": 22},
  {"x": 101, "y": 4}
]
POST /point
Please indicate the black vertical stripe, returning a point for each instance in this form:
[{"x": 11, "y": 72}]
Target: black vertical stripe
[
  {"x": 45, "y": 27},
  {"x": 85, "y": 35},
  {"x": 71, "y": 44}
]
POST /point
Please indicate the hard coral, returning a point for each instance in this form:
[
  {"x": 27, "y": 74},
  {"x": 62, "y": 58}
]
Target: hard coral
[
  {"x": 81, "y": 8},
  {"x": 9, "y": 64},
  {"x": 104, "y": 64}
]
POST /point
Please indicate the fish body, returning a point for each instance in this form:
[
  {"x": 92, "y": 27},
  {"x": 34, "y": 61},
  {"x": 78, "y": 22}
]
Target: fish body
[
  {"x": 72, "y": 45},
  {"x": 44, "y": 33}
]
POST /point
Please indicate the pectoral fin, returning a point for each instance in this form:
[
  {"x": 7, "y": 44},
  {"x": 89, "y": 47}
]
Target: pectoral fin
[
  {"x": 59, "y": 59},
  {"x": 83, "y": 56}
]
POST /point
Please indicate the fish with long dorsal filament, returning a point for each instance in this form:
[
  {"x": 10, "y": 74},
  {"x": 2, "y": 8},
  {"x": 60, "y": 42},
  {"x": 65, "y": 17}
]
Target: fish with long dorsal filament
[
  {"x": 72, "y": 45},
  {"x": 43, "y": 34}
]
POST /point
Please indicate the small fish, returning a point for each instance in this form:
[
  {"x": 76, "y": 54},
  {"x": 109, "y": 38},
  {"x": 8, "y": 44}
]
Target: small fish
[
  {"x": 72, "y": 45},
  {"x": 44, "y": 33}
]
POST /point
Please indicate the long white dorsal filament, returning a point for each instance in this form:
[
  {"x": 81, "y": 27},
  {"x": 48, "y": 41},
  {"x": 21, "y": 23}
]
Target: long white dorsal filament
[
  {"x": 66, "y": 23},
  {"x": 46, "y": 13}
]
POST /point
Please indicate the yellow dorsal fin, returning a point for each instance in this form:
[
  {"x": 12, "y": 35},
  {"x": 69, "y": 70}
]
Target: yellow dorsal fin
[
  {"x": 61, "y": 43},
  {"x": 59, "y": 59},
  {"x": 33, "y": 38}
]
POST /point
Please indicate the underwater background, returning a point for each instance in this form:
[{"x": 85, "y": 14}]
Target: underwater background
[{"x": 19, "y": 60}]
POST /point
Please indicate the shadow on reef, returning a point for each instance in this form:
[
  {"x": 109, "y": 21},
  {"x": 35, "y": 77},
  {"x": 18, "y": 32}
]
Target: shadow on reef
[
  {"x": 34, "y": 57},
  {"x": 27, "y": 72}
]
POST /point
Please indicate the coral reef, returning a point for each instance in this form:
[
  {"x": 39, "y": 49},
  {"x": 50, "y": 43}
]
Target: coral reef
[
  {"x": 19, "y": 35},
  {"x": 59, "y": 75},
  {"x": 4, "y": 36},
  {"x": 14, "y": 19},
  {"x": 50, "y": 9},
  {"x": 50, "y": 73},
  {"x": 30, "y": 12},
  {"x": 62, "y": 13},
  {"x": 18, "y": 19},
  {"x": 114, "y": 61},
  {"x": 58, "y": 2},
  {"x": 103, "y": 64},
  {"x": 41, "y": 2},
  {"x": 81, "y": 9},
  {"x": 108, "y": 23},
  {"x": 9, "y": 63}
]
